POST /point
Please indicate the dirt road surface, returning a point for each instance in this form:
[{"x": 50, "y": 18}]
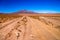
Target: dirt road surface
[{"x": 30, "y": 28}]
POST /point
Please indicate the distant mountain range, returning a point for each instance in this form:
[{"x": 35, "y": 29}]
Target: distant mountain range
[
  {"x": 27, "y": 12},
  {"x": 20, "y": 12}
]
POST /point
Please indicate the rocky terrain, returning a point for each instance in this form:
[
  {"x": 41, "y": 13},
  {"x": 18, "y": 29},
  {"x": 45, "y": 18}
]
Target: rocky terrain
[{"x": 29, "y": 26}]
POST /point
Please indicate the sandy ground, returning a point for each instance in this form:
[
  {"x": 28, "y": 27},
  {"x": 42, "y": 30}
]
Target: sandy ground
[{"x": 30, "y": 28}]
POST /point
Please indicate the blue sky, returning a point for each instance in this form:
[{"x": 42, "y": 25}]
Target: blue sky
[{"x": 8, "y": 6}]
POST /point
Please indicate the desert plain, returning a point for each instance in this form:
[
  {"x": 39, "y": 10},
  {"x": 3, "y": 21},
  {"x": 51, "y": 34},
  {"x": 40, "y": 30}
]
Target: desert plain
[{"x": 29, "y": 26}]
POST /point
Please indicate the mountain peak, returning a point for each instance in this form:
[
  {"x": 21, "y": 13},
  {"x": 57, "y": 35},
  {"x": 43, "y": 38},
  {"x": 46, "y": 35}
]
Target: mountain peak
[{"x": 23, "y": 11}]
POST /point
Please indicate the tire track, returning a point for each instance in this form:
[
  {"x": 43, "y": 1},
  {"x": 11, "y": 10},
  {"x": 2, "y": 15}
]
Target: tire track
[
  {"x": 44, "y": 29},
  {"x": 7, "y": 23},
  {"x": 8, "y": 28},
  {"x": 27, "y": 30}
]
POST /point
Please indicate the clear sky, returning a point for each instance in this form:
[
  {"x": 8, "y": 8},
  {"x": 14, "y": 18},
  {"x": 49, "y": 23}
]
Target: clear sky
[{"x": 9, "y": 6}]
